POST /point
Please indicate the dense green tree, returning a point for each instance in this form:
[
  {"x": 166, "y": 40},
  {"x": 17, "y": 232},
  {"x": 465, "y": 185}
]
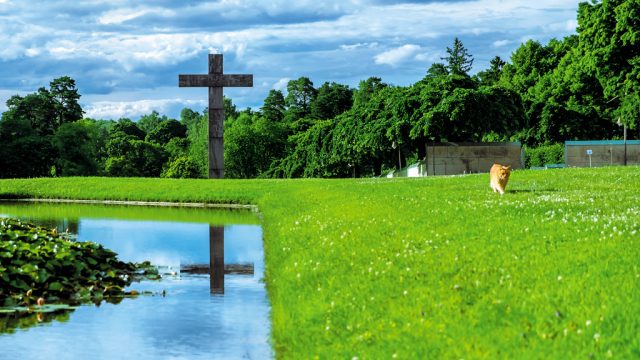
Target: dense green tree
[
  {"x": 46, "y": 109},
  {"x": 24, "y": 152},
  {"x": 332, "y": 99},
  {"x": 310, "y": 155},
  {"x": 428, "y": 122},
  {"x": 65, "y": 96},
  {"x": 492, "y": 75},
  {"x": 274, "y": 106},
  {"x": 528, "y": 63},
  {"x": 252, "y": 143},
  {"x": 150, "y": 121},
  {"x": 558, "y": 90},
  {"x": 189, "y": 117},
  {"x": 437, "y": 70},
  {"x": 459, "y": 61},
  {"x": 366, "y": 89},
  {"x": 76, "y": 150},
  {"x": 128, "y": 127},
  {"x": 230, "y": 110},
  {"x": 130, "y": 155},
  {"x": 165, "y": 131},
  {"x": 177, "y": 147},
  {"x": 135, "y": 158},
  {"x": 609, "y": 33},
  {"x": 99, "y": 131},
  {"x": 300, "y": 95},
  {"x": 198, "y": 136},
  {"x": 38, "y": 109}
]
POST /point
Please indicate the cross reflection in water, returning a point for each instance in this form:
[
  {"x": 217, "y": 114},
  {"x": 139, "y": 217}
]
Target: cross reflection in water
[
  {"x": 217, "y": 267},
  {"x": 216, "y": 258}
]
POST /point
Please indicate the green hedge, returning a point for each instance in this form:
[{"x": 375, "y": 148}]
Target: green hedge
[{"x": 545, "y": 154}]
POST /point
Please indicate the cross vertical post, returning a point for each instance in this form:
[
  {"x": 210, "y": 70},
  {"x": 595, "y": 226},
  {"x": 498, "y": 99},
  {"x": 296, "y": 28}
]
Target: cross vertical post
[
  {"x": 215, "y": 80},
  {"x": 216, "y": 122}
]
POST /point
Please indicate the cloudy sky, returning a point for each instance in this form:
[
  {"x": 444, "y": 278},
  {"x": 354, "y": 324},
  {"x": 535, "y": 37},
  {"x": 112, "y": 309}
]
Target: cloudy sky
[{"x": 126, "y": 55}]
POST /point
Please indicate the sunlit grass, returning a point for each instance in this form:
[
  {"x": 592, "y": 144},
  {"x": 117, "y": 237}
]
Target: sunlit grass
[{"x": 435, "y": 267}]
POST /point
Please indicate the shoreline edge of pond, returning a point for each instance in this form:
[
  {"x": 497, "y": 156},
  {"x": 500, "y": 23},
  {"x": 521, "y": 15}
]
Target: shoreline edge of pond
[{"x": 253, "y": 208}]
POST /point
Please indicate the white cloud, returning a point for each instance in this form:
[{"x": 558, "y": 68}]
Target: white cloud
[
  {"x": 32, "y": 52},
  {"x": 561, "y": 26},
  {"x": 428, "y": 56},
  {"x": 359, "y": 46},
  {"x": 152, "y": 43},
  {"x": 158, "y": 49},
  {"x": 500, "y": 43},
  {"x": 395, "y": 56},
  {"x": 571, "y": 25},
  {"x": 121, "y": 15},
  {"x": 281, "y": 84},
  {"x": 135, "y": 109}
]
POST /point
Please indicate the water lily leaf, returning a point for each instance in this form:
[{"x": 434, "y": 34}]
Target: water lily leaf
[
  {"x": 55, "y": 286},
  {"x": 19, "y": 284}
]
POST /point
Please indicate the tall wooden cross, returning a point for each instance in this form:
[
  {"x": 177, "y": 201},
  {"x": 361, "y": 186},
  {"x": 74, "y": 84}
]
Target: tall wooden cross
[{"x": 215, "y": 81}]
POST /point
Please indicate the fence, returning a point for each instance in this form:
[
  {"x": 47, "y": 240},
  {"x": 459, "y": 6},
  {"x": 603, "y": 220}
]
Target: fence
[
  {"x": 465, "y": 158},
  {"x": 601, "y": 153}
]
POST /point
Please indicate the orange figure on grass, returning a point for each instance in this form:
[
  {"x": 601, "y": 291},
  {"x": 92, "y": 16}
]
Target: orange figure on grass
[{"x": 499, "y": 176}]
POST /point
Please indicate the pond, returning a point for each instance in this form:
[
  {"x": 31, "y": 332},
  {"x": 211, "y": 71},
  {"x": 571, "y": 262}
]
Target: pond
[{"x": 187, "y": 314}]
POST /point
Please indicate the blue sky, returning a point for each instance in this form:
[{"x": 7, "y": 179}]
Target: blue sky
[{"x": 126, "y": 55}]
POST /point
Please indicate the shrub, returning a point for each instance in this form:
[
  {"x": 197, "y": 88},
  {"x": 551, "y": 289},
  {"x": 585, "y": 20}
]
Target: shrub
[
  {"x": 545, "y": 154},
  {"x": 182, "y": 167}
]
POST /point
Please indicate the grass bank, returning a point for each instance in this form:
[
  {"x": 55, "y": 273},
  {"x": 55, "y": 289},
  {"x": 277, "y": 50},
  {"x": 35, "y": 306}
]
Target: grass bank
[{"x": 434, "y": 267}]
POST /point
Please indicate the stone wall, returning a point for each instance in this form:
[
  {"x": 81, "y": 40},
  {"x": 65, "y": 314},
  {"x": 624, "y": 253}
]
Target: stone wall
[
  {"x": 603, "y": 153},
  {"x": 465, "y": 158}
]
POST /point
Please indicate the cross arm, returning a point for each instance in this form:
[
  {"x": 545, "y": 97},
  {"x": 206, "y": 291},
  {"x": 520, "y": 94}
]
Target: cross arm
[{"x": 215, "y": 80}]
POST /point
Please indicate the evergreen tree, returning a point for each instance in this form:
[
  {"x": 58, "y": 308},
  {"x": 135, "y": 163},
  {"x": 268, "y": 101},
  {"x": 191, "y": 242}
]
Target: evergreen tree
[
  {"x": 492, "y": 75},
  {"x": 459, "y": 61},
  {"x": 300, "y": 94},
  {"x": 274, "y": 106}
]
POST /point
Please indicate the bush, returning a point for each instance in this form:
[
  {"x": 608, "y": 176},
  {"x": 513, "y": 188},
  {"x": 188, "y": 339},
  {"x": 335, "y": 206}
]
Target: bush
[
  {"x": 542, "y": 155},
  {"x": 182, "y": 167}
]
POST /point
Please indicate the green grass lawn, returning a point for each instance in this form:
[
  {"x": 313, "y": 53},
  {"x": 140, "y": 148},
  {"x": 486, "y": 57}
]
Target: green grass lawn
[{"x": 435, "y": 267}]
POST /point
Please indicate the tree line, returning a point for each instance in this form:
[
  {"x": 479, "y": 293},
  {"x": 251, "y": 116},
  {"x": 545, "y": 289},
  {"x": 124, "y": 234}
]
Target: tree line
[{"x": 585, "y": 86}]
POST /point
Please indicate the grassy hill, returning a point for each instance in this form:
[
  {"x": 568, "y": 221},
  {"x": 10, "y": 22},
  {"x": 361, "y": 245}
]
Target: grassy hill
[{"x": 435, "y": 267}]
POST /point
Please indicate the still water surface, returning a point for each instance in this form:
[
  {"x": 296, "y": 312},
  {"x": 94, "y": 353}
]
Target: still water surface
[{"x": 183, "y": 319}]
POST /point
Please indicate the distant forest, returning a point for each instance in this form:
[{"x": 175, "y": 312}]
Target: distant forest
[{"x": 583, "y": 87}]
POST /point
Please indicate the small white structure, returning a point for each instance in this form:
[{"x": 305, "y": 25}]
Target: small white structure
[{"x": 414, "y": 170}]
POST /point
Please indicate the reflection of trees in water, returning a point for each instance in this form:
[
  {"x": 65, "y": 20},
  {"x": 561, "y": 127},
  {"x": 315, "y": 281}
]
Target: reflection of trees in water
[
  {"x": 10, "y": 322},
  {"x": 62, "y": 225},
  {"x": 12, "y": 319}
]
